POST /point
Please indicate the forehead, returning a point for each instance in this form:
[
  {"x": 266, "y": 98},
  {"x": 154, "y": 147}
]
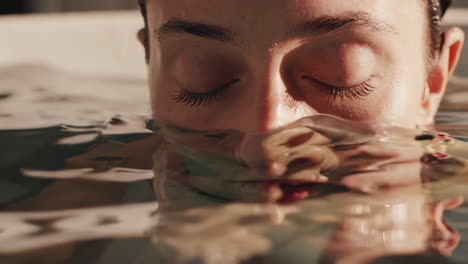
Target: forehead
[{"x": 268, "y": 13}]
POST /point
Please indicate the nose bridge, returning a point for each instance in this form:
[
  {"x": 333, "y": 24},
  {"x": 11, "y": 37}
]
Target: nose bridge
[
  {"x": 273, "y": 109},
  {"x": 263, "y": 96},
  {"x": 273, "y": 90}
]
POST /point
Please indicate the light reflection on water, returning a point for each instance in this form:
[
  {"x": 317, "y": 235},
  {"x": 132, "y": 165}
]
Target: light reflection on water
[{"x": 77, "y": 178}]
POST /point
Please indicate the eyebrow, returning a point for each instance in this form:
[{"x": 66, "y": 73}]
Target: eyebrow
[
  {"x": 328, "y": 24},
  {"x": 194, "y": 28},
  {"x": 313, "y": 27}
]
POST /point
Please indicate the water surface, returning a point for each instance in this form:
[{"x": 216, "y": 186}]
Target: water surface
[{"x": 77, "y": 186}]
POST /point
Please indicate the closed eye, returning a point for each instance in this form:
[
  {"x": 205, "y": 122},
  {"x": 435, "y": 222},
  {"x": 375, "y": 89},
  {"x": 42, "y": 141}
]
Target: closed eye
[
  {"x": 354, "y": 92},
  {"x": 193, "y": 99}
]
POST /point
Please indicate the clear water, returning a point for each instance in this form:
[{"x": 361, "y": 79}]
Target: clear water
[{"x": 77, "y": 185}]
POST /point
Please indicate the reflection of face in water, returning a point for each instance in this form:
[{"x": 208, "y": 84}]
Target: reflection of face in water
[
  {"x": 392, "y": 225},
  {"x": 395, "y": 228},
  {"x": 311, "y": 157},
  {"x": 341, "y": 229}
]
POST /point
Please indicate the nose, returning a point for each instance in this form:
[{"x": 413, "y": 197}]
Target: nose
[{"x": 272, "y": 104}]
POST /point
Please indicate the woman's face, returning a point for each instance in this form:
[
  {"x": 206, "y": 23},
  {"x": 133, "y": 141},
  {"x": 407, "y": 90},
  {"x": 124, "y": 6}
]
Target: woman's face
[{"x": 260, "y": 64}]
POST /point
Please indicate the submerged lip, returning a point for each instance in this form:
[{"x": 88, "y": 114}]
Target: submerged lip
[
  {"x": 285, "y": 181},
  {"x": 298, "y": 191},
  {"x": 295, "y": 190}
]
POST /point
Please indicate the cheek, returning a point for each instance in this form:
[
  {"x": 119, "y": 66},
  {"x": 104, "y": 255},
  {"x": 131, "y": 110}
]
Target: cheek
[
  {"x": 372, "y": 110},
  {"x": 162, "y": 108},
  {"x": 160, "y": 86},
  {"x": 404, "y": 104},
  {"x": 160, "y": 89},
  {"x": 155, "y": 81},
  {"x": 396, "y": 103},
  {"x": 405, "y": 99}
]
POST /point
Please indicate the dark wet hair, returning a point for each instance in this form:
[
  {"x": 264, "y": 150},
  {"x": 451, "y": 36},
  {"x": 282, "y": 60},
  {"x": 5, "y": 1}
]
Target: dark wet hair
[
  {"x": 445, "y": 4},
  {"x": 436, "y": 10}
]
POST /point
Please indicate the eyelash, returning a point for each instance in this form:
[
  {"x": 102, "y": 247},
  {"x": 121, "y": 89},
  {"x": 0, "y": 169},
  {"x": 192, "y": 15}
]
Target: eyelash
[
  {"x": 192, "y": 99},
  {"x": 356, "y": 92}
]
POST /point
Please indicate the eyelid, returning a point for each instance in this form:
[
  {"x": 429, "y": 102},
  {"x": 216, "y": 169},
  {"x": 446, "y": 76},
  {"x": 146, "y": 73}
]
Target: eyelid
[
  {"x": 193, "y": 99},
  {"x": 335, "y": 86},
  {"x": 358, "y": 91}
]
